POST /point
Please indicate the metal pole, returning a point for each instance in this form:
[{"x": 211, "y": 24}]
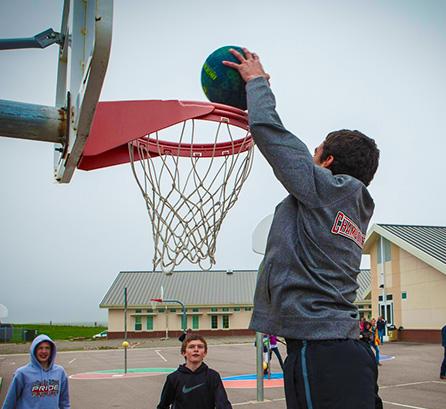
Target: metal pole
[
  {"x": 34, "y": 122},
  {"x": 183, "y": 323},
  {"x": 167, "y": 323},
  {"x": 383, "y": 272},
  {"x": 125, "y": 329},
  {"x": 183, "y": 309},
  {"x": 259, "y": 364},
  {"x": 41, "y": 40}
]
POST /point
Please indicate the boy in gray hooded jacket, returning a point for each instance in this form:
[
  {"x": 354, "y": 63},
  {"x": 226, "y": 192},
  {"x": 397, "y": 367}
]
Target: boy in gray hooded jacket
[
  {"x": 42, "y": 384},
  {"x": 307, "y": 279}
]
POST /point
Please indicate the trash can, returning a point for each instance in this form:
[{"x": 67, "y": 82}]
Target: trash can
[{"x": 392, "y": 333}]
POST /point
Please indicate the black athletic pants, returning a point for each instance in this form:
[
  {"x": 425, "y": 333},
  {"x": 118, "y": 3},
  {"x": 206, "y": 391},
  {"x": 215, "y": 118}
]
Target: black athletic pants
[
  {"x": 335, "y": 374},
  {"x": 277, "y": 353}
]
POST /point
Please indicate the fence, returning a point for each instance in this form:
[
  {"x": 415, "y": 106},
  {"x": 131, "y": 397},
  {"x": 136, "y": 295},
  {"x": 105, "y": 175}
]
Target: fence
[{"x": 12, "y": 334}]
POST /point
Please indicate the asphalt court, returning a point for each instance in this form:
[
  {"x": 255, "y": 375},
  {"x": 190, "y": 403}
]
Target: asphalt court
[{"x": 410, "y": 380}]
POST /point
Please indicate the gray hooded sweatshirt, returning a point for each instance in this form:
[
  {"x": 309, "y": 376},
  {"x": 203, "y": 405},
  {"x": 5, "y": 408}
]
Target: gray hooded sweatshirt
[{"x": 307, "y": 280}]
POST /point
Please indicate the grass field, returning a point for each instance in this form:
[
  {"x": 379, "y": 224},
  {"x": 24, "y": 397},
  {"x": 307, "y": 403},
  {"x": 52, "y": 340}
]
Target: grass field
[{"x": 63, "y": 331}]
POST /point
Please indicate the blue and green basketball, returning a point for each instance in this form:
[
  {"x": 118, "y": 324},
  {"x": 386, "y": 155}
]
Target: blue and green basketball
[{"x": 222, "y": 84}]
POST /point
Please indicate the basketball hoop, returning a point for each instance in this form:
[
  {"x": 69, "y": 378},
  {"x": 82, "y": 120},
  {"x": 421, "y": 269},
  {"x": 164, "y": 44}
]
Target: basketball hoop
[
  {"x": 154, "y": 302},
  {"x": 188, "y": 183}
]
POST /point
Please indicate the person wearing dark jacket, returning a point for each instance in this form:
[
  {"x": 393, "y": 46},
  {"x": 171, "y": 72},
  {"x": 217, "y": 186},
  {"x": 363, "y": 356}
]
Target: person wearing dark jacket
[
  {"x": 194, "y": 385},
  {"x": 443, "y": 364},
  {"x": 381, "y": 325},
  {"x": 307, "y": 281}
]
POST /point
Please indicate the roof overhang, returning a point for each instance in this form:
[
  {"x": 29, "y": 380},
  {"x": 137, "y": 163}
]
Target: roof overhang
[{"x": 377, "y": 231}]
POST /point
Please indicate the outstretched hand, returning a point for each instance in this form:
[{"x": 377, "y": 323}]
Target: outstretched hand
[{"x": 250, "y": 66}]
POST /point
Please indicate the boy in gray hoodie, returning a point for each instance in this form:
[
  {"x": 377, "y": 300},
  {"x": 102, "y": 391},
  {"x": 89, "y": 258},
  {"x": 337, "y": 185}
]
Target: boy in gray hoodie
[
  {"x": 41, "y": 384},
  {"x": 307, "y": 279}
]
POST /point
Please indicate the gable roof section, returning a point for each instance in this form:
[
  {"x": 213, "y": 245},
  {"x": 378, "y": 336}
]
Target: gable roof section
[
  {"x": 190, "y": 287},
  {"x": 428, "y": 243},
  {"x": 194, "y": 287},
  {"x": 364, "y": 281}
]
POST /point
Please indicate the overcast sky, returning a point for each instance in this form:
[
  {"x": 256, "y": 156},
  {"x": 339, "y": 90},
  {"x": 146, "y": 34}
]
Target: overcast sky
[{"x": 376, "y": 66}]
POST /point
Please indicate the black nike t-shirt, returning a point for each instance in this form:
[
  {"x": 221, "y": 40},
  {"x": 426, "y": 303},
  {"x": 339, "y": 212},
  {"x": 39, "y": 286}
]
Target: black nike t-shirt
[{"x": 199, "y": 389}]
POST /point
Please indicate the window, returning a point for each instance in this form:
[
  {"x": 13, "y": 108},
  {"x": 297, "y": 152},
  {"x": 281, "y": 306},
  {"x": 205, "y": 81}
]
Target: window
[
  {"x": 214, "y": 309},
  {"x": 195, "y": 322},
  {"x": 161, "y": 310},
  {"x": 236, "y": 309},
  {"x": 214, "y": 321},
  {"x": 404, "y": 295},
  {"x": 248, "y": 308},
  {"x": 225, "y": 309},
  {"x": 195, "y": 310},
  {"x": 149, "y": 323},
  {"x": 138, "y": 325},
  {"x": 172, "y": 310},
  {"x": 138, "y": 311},
  {"x": 225, "y": 321},
  {"x": 150, "y": 310}
]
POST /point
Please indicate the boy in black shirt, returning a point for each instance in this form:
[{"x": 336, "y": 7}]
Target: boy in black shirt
[{"x": 194, "y": 385}]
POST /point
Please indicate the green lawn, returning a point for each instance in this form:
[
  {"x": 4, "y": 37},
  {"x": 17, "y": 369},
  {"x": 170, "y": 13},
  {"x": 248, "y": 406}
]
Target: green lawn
[{"x": 63, "y": 331}]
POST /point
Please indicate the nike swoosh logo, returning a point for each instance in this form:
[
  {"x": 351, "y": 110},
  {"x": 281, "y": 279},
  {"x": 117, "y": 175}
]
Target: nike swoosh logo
[{"x": 187, "y": 390}]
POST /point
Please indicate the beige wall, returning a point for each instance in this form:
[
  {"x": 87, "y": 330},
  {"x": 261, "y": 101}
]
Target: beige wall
[
  {"x": 425, "y": 306},
  {"x": 237, "y": 319}
]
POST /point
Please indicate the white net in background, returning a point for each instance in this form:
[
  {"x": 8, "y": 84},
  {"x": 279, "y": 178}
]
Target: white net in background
[{"x": 188, "y": 197}]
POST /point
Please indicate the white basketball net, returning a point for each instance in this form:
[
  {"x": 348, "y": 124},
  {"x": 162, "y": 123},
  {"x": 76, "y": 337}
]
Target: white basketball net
[{"x": 187, "y": 198}]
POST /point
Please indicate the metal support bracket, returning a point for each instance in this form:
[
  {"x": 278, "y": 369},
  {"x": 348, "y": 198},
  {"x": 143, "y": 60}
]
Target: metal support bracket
[{"x": 41, "y": 40}]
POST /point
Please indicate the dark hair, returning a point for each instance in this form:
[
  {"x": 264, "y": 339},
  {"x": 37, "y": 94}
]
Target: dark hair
[
  {"x": 354, "y": 154},
  {"x": 193, "y": 337}
]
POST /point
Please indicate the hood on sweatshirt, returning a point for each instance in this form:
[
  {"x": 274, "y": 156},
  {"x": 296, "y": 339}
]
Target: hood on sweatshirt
[
  {"x": 184, "y": 369},
  {"x": 32, "y": 351}
]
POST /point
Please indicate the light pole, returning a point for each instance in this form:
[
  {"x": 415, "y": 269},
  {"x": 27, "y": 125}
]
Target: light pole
[
  {"x": 383, "y": 284},
  {"x": 125, "y": 343},
  {"x": 183, "y": 309}
]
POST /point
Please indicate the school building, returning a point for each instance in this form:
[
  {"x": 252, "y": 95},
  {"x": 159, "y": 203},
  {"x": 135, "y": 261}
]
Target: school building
[
  {"x": 211, "y": 302},
  {"x": 408, "y": 278}
]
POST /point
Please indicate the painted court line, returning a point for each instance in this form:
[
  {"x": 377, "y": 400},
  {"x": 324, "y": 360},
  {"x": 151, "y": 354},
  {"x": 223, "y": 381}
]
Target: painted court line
[
  {"x": 403, "y": 406},
  {"x": 70, "y": 362},
  {"x": 255, "y": 402},
  {"x": 159, "y": 354},
  {"x": 404, "y": 384},
  {"x": 119, "y": 350}
]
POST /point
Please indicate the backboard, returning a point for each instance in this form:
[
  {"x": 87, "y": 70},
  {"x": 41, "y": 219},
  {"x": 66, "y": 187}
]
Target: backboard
[
  {"x": 260, "y": 235},
  {"x": 3, "y": 311},
  {"x": 83, "y": 59}
]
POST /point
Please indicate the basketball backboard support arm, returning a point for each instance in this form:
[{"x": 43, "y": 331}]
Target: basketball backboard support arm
[
  {"x": 83, "y": 59},
  {"x": 41, "y": 40}
]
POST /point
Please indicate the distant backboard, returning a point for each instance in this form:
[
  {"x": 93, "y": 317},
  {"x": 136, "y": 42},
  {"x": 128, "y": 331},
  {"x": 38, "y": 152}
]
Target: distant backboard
[
  {"x": 260, "y": 235},
  {"x": 83, "y": 60},
  {"x": 3, "y": 311}
]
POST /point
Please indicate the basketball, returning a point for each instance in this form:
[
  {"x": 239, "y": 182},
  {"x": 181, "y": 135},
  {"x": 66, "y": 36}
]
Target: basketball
[
  {"x": 265, "y": 365},
  {"x": 222, "y": 84}
]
